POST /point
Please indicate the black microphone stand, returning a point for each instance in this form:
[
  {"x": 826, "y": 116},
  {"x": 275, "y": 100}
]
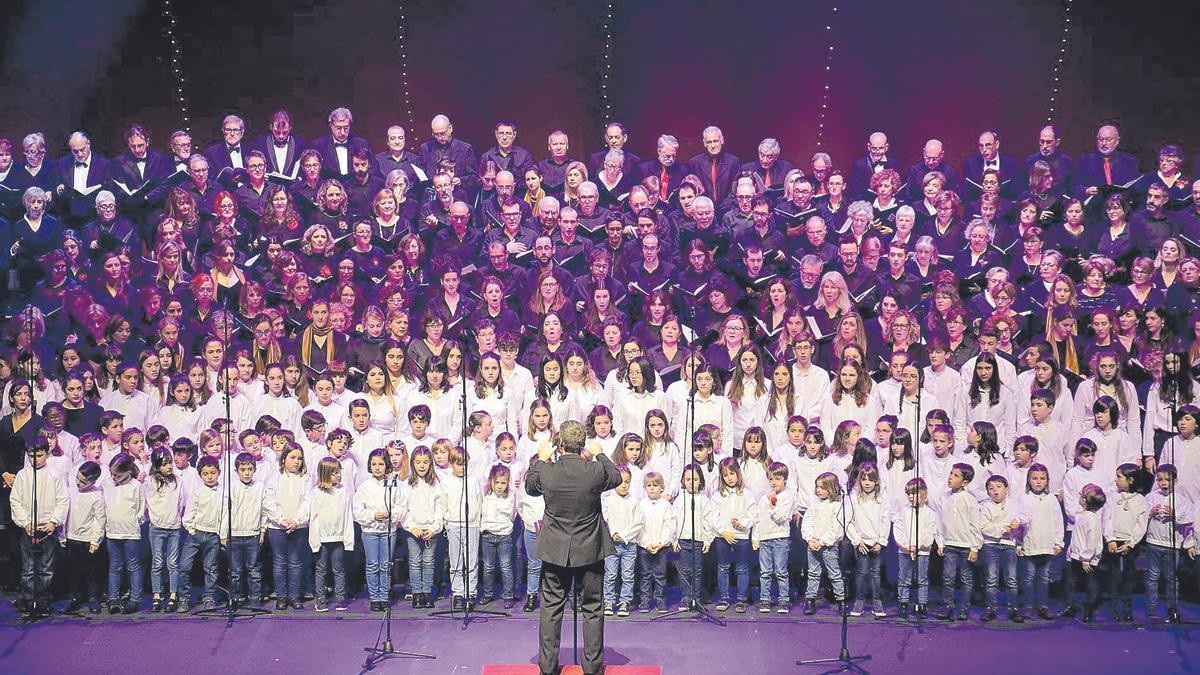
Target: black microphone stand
[
  {"x": 1173, "y": 592},
  {"x": 376, "y": 653},
  {"x": 695, "y": 608},
  {"x": 469, "y": 612},
  {"x": 232, "y": 610},
  {"x": 849, "y": 663},
  {"x": 36, "y": 609}
]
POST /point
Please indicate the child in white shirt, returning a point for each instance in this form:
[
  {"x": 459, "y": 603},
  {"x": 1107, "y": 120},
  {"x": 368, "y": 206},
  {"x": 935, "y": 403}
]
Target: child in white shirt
[
  {"x": 622, "y": 513},
  {"x": 772, "y": 539}
]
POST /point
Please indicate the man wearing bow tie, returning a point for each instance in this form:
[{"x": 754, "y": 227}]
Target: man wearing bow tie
[
  {"x": 138, "y": 167},
  {"x": 339, "y": 144},
  {"x": 281, "y": 147},
  {"x": 989, "y": 157},
  {"x": 229, "y": 154},
  {"x": 864, "y": 167},
  {"x": 79, "y": 176},
  {"x": 181, "y": 151}
]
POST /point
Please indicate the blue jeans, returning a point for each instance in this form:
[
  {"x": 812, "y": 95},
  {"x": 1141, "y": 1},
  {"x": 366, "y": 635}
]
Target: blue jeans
[
  {"x": 690, "y": 569},
  {"x": 1037, "y": 580},
  {"x": 533, "y": 566},
  {"x": 773, "y": 566},
  {"x": 420, "y": 564},
  {"x": 999, "y": 561},
  {"x": 736, "y": 555},
  {"x": 332, "y": 554},
  {"x": 122, "y": 556},
  {"x": 497, "y": 551},
  {"x": 866, "y": 573},
  {"x": 286, "y": 556},
  {"x": 654, "y": 574},
  {"x": 165, "y": 545},
  {"x": 1160, "y": 563},
  {"x": 379, "y": 565},
  {"x": 623, "y": 564},
  {"x": 827, "y": 559},
  {"x": 905, "y": 577},
  {"x": 243, "y": 564},
  {"x": 208, "y": 545},
  {"x": 954, "y": 565}
]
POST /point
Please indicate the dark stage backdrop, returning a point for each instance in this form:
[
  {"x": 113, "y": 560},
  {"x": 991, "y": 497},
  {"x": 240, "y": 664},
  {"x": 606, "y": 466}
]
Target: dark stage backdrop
[{"x": 914, "y": 69}]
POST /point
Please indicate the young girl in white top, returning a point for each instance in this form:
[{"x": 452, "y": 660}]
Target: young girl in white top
[
  {"x": 695, "y": 530},
  {"x": 849, "y": 400},
  {"x": 378, "y": 510},
  {"x": 538, "y": 430},
  {"x": 600, "y": 429},
  {"x": 868, "y": 530},
  {"x": 754, "y": 461},
  {"x": 778, "y": 405},
  {"x": 178, "y": 414},
  {"x": 330, "y": 532},
  {"x": 423, "y": 520},
  {"x": 807, "y": 467},
  {"x": 499, "y": 508},
  {"x": 629, "y": 455},
  {"x": 984, "y": 455},
  {"x": 287, "y": 506},
  {"x": 445, "y": 403},
  {"x": 125, "y": 507},
  {"x": 623, "y": 515},
  {"x": 711, "y": 408},
  {"x": 83, "y": 534},
  {"x": 823, "y": 528},
  {"x": 661, "y": 452},
  {"x": 736, "y": 513},
  {"x": 1040, "y": 539},
  {"x": 841, "y": 448},
  {"x": 1125, "y": 522},
  {"x": 631, "y": 403},
  {"x": 479, "y": 445},
  {"x": 276, "y": 401},
  {"x": 489, "y": 394},
  {"x": 899, "y": 468},
  {"x": 586, "y": 392},
  {"x": 991, "y": 400},
  {"x": 387, "y": 409},
  {"x": 705, "y": 460},
  {"x": 532, "y": 510},
  {"x": 550, "y": 388},
  {"x": 746, "y": 391},
  {"x": 164, "y": 504}
]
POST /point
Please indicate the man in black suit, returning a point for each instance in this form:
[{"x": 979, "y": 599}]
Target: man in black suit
[
  {"x": 716, "y": 168},
  {"x": 615, "y": 138},
  {"x": 1012, "y": 181},
  {"x": 1061, "y": 164},
  {"x": 572, "y": 543},
  {"x": 669, "y": 172},
  {"x": 932, "y": 159},
  {"x": 398, "y": 158},
  {"x": 769, "y": 167},
  {"x": 138, "y": 167},
  {"x": 339, "y": 144},
  {"x": 230, "y": 153},
  {"x": 79, "y": 176},
  {"x": 1105, "y": 166},
  {"x": 445, "y": 146},
  {"x": 864, "y": 167},
  {"x": 507, "y": 155},
  {"x": 281, "y": 147}
]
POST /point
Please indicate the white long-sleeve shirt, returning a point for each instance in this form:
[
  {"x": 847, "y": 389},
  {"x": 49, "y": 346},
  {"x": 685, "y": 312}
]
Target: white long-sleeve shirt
[
  {"x": 498, "y": 512},
  {"x": 426, "y": 508},
  {"x": 1041, "y": 518},
  {"x": 1131, "y": 415},
  {"x": 247, "y": 506},
  {"x": 833, "y": 414},
  {"x": 85, "y": 516},
  {"x": 1055, "y": 452},
  {"x": 285, "y": 409},
  {"x": 705, "y": 525},
  {"x": 1064, "y": 407},
  {"x": 774, "y": 520},
  {"x": 1073, "y": 483},
  {"x": 334, "y": 414},
  {"x": 330, "y": 518},
  {"x": 445, "y": 410},
  {"x": 1125, "y": 518},
  {"x": 532, "y": 510},
  {"x": 995, "y": 519},
  {"x": 125, "y": 507},
  {"x": 910, "y": 523},
  {"x": 379, "y": 496},
  {"x": 1087, "y": 542},
  {"x": 1003, "y": 415},
  {"x": 461, "y": 510},
  {"x": 825, "y": 521},
  {"x": 52, "y": 499},
  {"x": 657, "y": 523},
  {"x": 716, "y": 410},
  {"x": 812, "y": 388},
  {"x": 180, "y": 422},
  {"x": 287, "y": 498},
  {"x": 203, "y": 512},
  {"x": 667, "y": 461},
  {"x": 732, "y": 504},
  {"x": 139, "y": 411},
  {"x": 1160, "y": 525},
  {"x": 802, "y": 476},
  {"x": 630, "y": 408},
  {"x": 505, "y": 410},
  {"x": 748, "y": 411},
  {"x": 959, "y": 522},
  {"x": 623, "y": 515},
  {"x": 870, "y": 521},
  {"x": 164, "y": 504}
]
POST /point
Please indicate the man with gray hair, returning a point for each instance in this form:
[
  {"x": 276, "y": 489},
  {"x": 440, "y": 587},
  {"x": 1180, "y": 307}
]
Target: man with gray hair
[
  {"x": 554, "y": 167},
  {"x": 444, "y": 146},
  {"x": 615, "y": 138},
  {"x": 665, "y": 166},
  {"x": 716, "y": 168},
  {"x": 229, "y": 153},
  {"x": 769, "y": 167},
  {"x": 339, "y": 144},
  {"x": 79, "y": 177},
  {"x": 110, "y": 231},
  {"x": 573, "y": 542}
]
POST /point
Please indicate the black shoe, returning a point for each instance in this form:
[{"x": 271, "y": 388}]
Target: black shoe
[
  {"x": 947, "y": 615},
  {"x": 810, "y": 607},
  {"x": 508, "y": 603},
  {"x": 428, "y": 597},
  {"x": 459, "y": 604},
  {"x": 922, "y": 611},
  {"x": 416, "y": 600},
  {"x": 989, "y": 615},
  {"x": 297, "y": 604},
  {"x": 94, "y": 607},
  {"x": 1127, "y": 615},
  {"x": 73, "y": 607},
  {"x": 531, "y": 603},
  {"x": 131, "y": 607},
  {"x": 1089, "y": 614},
  {"x": 904, "y": 610},
  {"x": 1014, "y": 615},
  {"x": 1044, "y": 614},
  {"x": 1172, "y": 615},
  {"x": 281, "y": 604},
  {"x": 1069, "y": 613},
  {"x": 485, "y": 601}
]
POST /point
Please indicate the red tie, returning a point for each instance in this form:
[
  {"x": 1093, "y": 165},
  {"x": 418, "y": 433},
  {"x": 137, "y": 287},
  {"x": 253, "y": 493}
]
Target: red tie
[
  {"x": 767, "y": 177},
  {"x": 714, "y": 178},
  {"x": 1108, "y": 171},
  {"x": 662, "y": 185}
]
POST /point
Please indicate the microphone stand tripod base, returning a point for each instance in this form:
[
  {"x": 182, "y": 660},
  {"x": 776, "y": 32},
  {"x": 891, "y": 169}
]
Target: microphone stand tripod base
[{"x": 694, "y": 610}]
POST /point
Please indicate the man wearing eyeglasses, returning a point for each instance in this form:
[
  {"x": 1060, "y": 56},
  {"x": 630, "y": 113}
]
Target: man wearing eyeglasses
[
  {"x": 79, "y": 177},
  {"x": 864, "y": 167},
  {"x": 990, "y": 157},
  {"x": 444, "y": 146},
  {"x": 769, "y": 166},
  {"x": 252, "y": 196},
  {"x": 933, "y": 158},
  {"x": 109, "y": 231},
  {"x": 507, "y": 155},
  {"x": 229, "y": 153},
  {"x": 339, "y": 144}
]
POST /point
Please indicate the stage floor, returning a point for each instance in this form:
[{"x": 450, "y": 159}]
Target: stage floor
[{"x": 305, "y": 642}]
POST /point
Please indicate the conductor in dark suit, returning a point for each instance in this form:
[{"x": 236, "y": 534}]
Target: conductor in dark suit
[{"x": 573, "y": 542}]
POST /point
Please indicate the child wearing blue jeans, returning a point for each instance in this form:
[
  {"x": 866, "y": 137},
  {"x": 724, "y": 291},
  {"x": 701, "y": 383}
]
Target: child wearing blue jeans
[{"x": 622, "y": 512}]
